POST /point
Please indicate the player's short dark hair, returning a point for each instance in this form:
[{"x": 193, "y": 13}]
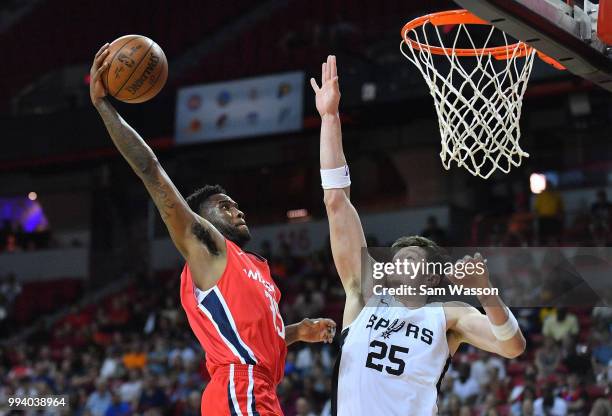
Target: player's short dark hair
[
  {"x": 200, "y": 196},
  {"x": 435, "y": 253},
  {"x": 430, "y": 246}
]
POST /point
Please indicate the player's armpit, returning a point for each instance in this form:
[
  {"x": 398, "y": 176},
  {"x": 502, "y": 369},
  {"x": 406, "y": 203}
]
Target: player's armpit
[
  {"x": 189, "y": 232},
  {"x": 469, "y": 325}
]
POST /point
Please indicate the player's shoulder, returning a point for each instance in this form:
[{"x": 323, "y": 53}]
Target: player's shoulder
[
  {"x": 254, "y": 256},
  {"x": 458, "y": 306},
  {"x": 454, "y": 309},
  {"x": 239, "y": 251}
]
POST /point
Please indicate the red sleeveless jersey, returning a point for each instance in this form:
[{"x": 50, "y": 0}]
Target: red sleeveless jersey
[{"x": 237, "y": 321}]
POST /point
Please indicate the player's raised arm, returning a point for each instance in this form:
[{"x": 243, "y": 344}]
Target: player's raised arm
[
  {"x": 174, "y": 210},
  {"x": 346, "y": 233},
  {"x": 496, "y": 331}
]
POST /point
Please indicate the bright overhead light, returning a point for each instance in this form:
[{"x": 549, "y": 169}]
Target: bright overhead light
[{"x": 537, "y": 182}]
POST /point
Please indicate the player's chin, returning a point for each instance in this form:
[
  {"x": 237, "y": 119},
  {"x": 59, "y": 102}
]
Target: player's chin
[
  {"x": 243, "y": 232},
  {"x": 395, "y": 282}
]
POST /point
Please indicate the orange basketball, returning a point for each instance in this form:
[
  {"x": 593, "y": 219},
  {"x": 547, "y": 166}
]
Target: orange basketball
[{"x": 137, "y": 70}]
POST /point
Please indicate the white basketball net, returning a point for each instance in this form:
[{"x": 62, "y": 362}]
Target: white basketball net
[{"x": 478, "y": 99}]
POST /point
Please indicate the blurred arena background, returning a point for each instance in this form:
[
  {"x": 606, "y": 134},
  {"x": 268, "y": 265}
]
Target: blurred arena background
[{"x": 89, "y": 303}]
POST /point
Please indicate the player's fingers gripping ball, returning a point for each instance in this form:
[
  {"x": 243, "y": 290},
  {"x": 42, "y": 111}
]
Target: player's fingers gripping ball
[{"x": 136, "y": 69}]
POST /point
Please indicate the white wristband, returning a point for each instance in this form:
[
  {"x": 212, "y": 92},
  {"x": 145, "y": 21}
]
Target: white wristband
[
  {"x": 336, "y": 178},
  {"x": 507, "y": 330}
]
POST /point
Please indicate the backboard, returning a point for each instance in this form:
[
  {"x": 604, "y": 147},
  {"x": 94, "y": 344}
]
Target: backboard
[{"x": 564, "y": 30}]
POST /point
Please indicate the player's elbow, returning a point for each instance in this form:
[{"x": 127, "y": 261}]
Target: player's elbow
[
  {"x": 334, "y": 199},
  {"x": 514, "y": 347}
]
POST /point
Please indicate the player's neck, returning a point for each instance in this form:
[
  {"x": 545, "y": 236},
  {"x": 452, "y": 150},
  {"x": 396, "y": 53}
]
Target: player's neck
[{"x": 412, "y": 301}]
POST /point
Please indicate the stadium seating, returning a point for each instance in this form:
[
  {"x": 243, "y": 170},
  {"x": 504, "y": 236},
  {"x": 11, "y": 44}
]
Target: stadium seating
[{"x": 174, "y": 28}]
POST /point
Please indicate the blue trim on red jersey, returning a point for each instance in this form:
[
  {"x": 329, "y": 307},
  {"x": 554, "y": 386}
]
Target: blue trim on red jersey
[
  {"x": 253, "y": 405},
  {"x": 213, "y": 305},
  {"x": 230, "y": 403}
]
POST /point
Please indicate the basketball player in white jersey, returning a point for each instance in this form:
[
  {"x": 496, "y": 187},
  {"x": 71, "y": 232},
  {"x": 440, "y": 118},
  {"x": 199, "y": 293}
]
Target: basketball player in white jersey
[{"x": 395, "y": 349}]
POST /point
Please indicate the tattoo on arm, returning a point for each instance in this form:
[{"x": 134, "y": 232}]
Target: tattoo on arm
[
  {"x": 162, "y": 196},
  {"x": 133, "y": 148}
]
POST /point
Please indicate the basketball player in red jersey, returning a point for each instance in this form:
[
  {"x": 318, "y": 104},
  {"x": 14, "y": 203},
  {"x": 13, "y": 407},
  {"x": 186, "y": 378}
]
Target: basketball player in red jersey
[{"x": 228, "y": 294}]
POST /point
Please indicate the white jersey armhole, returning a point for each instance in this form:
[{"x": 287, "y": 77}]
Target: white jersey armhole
[{"x": 443, "y": 307}]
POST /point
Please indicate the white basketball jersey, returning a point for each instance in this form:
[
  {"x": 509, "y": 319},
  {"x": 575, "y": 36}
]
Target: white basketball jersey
[{"x": 392, "y": 360}]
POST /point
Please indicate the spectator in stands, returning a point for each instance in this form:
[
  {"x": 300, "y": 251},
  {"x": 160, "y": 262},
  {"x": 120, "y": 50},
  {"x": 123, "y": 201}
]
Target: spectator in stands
[
  {"x": 5, "y": 231},
  {"x": 601, "y": 217},
  {"x": 520, "y": 229},
  {"x": 521, "y": 400},
  {"x": 488, "y": 404},
  {"x": 580, "y": 229},
  {"x": 4, "y": 311},
  {"x": 11, "y": 288},
  {"x": 547, "y": 357},
  {"x": 560, "y": 325},
  {"x": 118, "y": 407},
  {"x": 11, "y": 244},
  {"x": 184, "y": 351},
  {"x": 576, "y": 358},
  {"x": 305, "y": 359},
  {"x": 171, "y": 310},
  {"x": 601, "y": 344},
  {"x": 548, "y": 207},
  {"x": 465, "y": 387},
  {"x": 602, "y": 314},
  {"x": 434, "y": 232},
  {"x": 152, "y": 396},
  {"x": 157, "y": 360},
  {"x": 111, "y": 366},
  {"x": 527, "y": 408},
  {"x": 450, "y": 406},
  {"x": 310, "y": 301},
  {"x": 549, "y": 404},
  {"x": 193, "y": 405},
  {"x": 131, "y": 387},
  {"x": 575, "y": 396},
  {"x": 496, "y": 387},
  {"x": 601, "y": 407},
  {"x": 100, "y": 399},
  {"x": 302, "y": 407},
  {"x": 465, "y": 410},
  {"x": 135, "y": 357},
  {"x": 481, "y": 368},
  {"x": 119, "y": 313}
]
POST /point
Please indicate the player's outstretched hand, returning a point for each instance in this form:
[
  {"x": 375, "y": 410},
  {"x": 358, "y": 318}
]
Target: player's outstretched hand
[
  {"x": 317, "y": 330},
  {"x": 96, "y": 88},
  {"x": 471, "y": 272},
  {"x": 328, "y": 95}
]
